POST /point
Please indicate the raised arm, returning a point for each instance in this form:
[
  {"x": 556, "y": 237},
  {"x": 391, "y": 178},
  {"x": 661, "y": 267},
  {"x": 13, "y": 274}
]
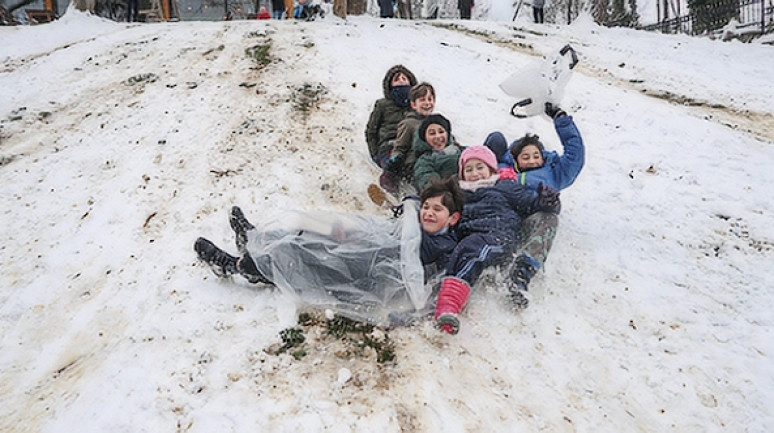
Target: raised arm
[{"x": 573, "y": 156}]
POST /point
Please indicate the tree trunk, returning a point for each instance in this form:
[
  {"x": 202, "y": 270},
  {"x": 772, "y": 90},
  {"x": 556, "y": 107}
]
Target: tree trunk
[
  {"x": 340, "y": 8},
  {"x": 356, "y": 7},
  {"x": 84, "y": 5}
]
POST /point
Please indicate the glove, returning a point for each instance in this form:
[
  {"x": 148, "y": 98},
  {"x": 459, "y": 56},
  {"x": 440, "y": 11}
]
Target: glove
[
  {"x": 553, "y": 111},
  {"x": 547, "y": 197},
  {"x": 394, "y": 163}
]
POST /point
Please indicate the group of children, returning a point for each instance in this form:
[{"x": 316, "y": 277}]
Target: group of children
[
  {"x": 500, "y": 225},
  {"x": 484, "y": 205}
]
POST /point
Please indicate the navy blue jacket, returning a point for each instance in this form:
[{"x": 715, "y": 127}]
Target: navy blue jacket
[
  {"x": 435, "y": 249},
  {"x": 498, "y": 210}
]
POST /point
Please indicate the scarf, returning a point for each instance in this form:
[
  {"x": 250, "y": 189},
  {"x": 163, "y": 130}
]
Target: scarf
[
  {"x": 477, "y": 184},
  {"x": 400, "y": 95}
]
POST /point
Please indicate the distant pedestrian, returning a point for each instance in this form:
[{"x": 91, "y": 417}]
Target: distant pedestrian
[
  {"x": 277, "y": 8},
  {"x": 537, "y": 10},
  {"x": 132, "y": 11},
  {"x": 386, "y": 9},
  {"x": 465, "y": 7},
  {"x": 263, "y": 13}
]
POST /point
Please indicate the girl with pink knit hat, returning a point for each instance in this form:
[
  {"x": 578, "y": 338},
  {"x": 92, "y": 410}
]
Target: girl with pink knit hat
[{"x": 487, "y": 229}]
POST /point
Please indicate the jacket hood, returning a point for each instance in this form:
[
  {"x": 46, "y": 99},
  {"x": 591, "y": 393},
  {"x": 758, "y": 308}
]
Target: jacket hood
[{"x": 391, "y": 73}]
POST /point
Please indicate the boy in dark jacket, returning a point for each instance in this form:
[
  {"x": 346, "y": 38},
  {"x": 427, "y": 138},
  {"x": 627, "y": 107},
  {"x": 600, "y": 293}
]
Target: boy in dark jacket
[
  {"x": 352, "y": 263},
  {"x": 382, "y": 125}
]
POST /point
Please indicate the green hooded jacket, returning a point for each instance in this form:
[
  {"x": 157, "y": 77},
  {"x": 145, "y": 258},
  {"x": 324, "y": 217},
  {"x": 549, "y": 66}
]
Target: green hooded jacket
[{"x": 382, "y": 126}]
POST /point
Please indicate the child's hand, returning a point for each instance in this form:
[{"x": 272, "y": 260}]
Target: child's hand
[
  {"x": 553, "y": 111},
  {"x": 547, "y": 197},
  {"x": 394, "y": 163}
]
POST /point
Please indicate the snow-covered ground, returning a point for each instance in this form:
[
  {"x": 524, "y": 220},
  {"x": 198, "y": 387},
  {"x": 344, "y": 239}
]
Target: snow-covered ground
[{"x": 121, "y": 143}]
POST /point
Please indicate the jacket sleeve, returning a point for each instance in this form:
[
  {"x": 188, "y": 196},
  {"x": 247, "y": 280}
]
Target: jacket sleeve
[
  {"x": 372, "y": 129},
  {"x": 404, "y": 138},
  {"x": 424, "y": 170},
  {"x": 436, "y": 249},
  {"x": 573, "y": 156},
  {"x": 521, "y": 198}
]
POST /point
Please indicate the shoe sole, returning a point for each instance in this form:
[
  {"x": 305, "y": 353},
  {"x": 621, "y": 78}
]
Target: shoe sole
[
  {"x": 378, "y": 195},
  {"x": 520, "y": 302},
  {"x": 448, "y": 320},
  {"x": 201, "y": 246}
]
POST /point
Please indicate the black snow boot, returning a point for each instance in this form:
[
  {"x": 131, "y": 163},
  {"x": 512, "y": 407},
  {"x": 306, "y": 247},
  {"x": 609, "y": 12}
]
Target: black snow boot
[
  {"x": 522, "y": 271},
  {"x": 520, "y": 302},
  {"x": 246, "y": 268},
  {"x": 240, "y": 225},
  {"x": 222, "y": 263}
]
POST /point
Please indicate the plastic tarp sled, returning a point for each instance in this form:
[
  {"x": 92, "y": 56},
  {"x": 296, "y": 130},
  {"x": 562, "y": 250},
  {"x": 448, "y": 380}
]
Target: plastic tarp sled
[{"x": 359, "y": 266}]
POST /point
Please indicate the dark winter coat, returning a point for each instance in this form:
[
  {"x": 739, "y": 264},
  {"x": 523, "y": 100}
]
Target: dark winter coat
[
  {"x": 489, "y": 228},
  {"x": 432, "y": 163},
  {"x": 385, "y": 9},
  {"x": 464, "y": 6},
  {"x": 498, "y": 210},
  {"x": 558, "y": 172},
  {"x": 435, "y": 250},
  {"x": 382, "y": 126}
]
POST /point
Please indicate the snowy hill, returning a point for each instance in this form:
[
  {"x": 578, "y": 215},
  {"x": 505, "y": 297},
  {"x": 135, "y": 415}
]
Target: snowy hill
[{"x": 120, "y": 144}]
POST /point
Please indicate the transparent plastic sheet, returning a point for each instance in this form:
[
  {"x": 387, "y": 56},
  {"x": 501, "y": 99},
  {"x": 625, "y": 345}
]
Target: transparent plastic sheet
[{"x": 362, "y": 267}]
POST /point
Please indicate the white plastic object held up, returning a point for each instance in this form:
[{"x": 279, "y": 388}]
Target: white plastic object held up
[{"x": 540, "y": 82}]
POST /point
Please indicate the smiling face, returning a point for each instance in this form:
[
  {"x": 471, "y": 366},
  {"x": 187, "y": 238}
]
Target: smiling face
[
  {"x": 529, "y": 157},
  {"x": 476, "y": 169},
  {"x": 424, "y": 104},
  {"x": 434, "y": 216},
  {"x": 436, "y": 136}
]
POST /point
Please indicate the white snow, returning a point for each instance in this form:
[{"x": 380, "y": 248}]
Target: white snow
[{"x": 654, "y": 312}]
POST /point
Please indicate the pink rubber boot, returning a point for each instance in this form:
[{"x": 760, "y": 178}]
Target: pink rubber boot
[{"x": 451, "y": 299}]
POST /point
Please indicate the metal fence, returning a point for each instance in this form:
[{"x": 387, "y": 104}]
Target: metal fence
[{"x": 755, "y": 16}]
